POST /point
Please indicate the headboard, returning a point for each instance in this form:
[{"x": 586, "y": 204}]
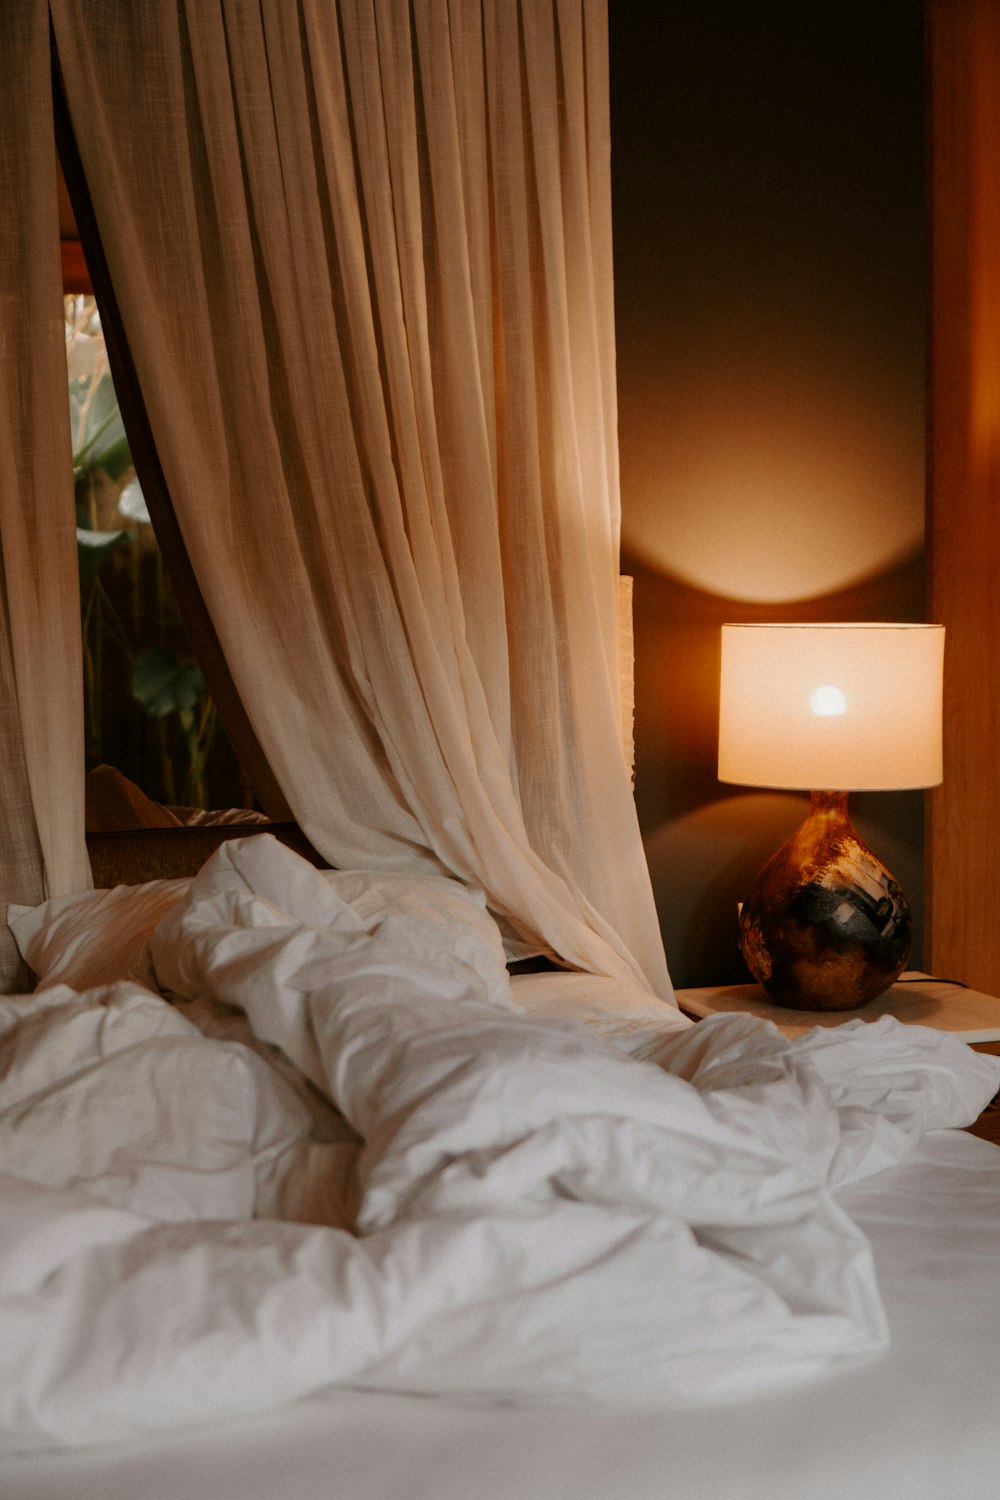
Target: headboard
[{"x": 133, "y": 856}]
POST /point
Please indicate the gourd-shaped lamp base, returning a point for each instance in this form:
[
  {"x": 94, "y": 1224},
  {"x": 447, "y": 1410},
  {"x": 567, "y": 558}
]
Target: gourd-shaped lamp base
[{"x": 826, "y": 926}]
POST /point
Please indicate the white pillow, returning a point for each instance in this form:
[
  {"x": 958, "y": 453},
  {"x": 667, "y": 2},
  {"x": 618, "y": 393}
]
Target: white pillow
[
  {"x": 94, "y": 937},
  {"x": 425, "y": 925}
]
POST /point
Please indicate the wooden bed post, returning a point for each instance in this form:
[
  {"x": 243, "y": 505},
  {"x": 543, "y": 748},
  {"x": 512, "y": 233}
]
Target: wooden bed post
[{"x": 963, "y": 835}]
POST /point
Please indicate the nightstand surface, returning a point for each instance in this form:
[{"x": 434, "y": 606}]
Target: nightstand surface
[{"x": 922, "y": 1001}]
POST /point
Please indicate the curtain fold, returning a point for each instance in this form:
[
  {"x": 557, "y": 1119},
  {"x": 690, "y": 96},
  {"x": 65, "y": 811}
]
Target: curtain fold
[
  {"x": 362, "y": 259},
  {"x": 42, "y": 850}
]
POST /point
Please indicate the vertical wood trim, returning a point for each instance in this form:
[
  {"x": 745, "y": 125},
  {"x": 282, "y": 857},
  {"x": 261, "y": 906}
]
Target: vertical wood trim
[{"x": 963, "y": 833}]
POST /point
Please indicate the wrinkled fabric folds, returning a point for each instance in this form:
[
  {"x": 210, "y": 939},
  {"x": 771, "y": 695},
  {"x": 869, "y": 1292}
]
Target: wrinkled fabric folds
[{"x": 535, "y": 1214}]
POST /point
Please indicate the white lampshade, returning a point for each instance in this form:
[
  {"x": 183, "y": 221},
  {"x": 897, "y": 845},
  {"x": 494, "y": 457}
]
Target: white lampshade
[{"x": 840, "y": 707}]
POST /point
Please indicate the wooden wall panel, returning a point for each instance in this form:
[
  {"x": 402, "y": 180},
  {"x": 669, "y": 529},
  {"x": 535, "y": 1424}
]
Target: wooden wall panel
[{"x": 963, "y": 836}]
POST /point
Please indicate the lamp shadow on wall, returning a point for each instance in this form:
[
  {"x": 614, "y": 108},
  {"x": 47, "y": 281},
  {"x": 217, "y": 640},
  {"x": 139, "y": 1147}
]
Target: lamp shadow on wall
[{"x": 704, "y": 841}]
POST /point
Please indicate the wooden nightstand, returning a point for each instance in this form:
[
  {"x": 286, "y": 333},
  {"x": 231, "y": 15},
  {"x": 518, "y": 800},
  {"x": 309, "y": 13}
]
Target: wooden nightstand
[{"x": 916, "y": 998}]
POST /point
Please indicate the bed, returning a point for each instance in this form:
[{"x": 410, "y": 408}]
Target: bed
[{"x": 304, "y": 1193}]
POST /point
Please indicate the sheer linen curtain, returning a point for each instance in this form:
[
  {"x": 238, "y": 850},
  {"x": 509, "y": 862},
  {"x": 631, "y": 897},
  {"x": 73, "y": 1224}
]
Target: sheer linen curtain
[
  {"x": 42, "y": 850},
  {"x": 362, "y": 256}
]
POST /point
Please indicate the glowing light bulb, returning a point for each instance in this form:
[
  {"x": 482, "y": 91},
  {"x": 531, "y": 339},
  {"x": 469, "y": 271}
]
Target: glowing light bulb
[{"x": 828, "y": 701}]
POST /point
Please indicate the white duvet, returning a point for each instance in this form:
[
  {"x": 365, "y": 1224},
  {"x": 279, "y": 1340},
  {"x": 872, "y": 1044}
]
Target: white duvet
[{"x": 504, "y": 1203}]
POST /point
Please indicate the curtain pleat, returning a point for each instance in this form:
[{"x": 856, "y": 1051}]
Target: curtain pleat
[
  {"x": 361, "y": 255},
  {"x": 42, "y": 850}
]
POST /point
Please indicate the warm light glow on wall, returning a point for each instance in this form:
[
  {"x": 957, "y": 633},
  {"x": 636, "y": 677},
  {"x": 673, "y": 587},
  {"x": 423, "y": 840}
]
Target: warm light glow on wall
[{"x": 767, "y": 490}]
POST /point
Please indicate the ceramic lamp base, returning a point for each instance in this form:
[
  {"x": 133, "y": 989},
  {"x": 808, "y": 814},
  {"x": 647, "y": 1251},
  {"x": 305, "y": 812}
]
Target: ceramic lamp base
[{"x": 826, "y": 926}]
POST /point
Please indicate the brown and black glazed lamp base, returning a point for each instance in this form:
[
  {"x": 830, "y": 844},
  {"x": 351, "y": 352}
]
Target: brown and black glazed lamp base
[{"x": 826, "y": 926}]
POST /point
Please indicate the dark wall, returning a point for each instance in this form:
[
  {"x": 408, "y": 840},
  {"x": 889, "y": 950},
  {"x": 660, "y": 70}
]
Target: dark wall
[{"x": 769, "y": 267}]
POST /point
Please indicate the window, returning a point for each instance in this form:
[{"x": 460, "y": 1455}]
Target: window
[{"x": 147, "y": 709}]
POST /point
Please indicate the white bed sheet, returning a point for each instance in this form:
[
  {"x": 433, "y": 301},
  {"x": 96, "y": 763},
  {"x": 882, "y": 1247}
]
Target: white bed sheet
[{"x": 920, "y": 1423}]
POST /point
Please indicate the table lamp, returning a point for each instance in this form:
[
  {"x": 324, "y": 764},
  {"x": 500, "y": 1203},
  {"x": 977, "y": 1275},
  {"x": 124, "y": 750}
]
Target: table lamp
[{"x": 829, "y": 709}]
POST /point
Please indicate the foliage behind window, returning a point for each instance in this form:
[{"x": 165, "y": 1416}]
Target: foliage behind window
[{"x": 147, "y": 708}]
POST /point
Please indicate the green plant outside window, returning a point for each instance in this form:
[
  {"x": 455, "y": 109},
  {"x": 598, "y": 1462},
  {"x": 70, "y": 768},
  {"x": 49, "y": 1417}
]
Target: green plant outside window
[{"x": 146, "y": 705}]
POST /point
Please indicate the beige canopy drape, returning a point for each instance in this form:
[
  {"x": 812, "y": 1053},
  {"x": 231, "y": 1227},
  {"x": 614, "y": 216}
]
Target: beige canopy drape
[
  {"x": 361, "y": 256},
  {"x": 41, "y": 695}
]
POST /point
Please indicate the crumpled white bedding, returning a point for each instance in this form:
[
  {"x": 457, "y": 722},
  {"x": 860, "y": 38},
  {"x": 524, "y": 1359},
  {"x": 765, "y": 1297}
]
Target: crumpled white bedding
[{"x": 503, "y": 1204}]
